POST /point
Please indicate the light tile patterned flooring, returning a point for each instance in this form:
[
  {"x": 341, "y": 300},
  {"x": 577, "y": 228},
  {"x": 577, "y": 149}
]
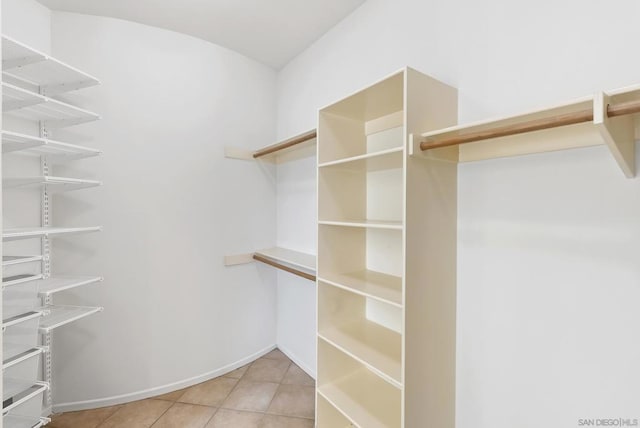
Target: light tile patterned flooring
[{"x": 271, "y": 392}]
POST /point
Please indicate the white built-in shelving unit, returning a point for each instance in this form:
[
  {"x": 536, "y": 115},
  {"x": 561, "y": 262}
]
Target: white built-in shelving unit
[
  {"x": 31, "y": 83},
  {"x": 386, "y": 312}
]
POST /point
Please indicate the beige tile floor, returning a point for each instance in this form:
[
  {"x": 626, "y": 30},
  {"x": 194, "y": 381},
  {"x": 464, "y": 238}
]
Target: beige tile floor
[{"x": 271, "y": 392}]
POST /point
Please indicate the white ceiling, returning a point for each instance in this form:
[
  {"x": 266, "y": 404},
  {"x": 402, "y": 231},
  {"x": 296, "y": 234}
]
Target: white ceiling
[{"x": 270, "y": 31}]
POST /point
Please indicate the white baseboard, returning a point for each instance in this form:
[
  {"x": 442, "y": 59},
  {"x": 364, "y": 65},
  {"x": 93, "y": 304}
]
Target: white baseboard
[
  {"x": 152, "y": 392},
  {"x": 293, "y": 357}
]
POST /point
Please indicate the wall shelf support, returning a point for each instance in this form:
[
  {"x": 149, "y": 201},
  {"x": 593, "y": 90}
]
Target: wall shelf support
[{"x": 617, "y": 131}]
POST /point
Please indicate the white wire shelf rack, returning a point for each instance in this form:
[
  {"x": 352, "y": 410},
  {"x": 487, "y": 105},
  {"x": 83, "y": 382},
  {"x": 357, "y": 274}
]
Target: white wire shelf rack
[
  {"x": 55, "y": 151},
  {"x": 18, "y": 319},
  {"x": 54, "y": 184},
  {"x": 18, "y": 421},
  {"x": 18, "y": 260},
  {"x": 49, "y": 286},
  {"x": 10, "y": 281},
  {"x": 30, "y": 66},
  {"x": 58, "y": 316},
  {"x": 52, "y": 113},
  {"x": 39, "y": 232},
  {"x": 16, "y": 392},
  {"x": 13, "y": 354}
]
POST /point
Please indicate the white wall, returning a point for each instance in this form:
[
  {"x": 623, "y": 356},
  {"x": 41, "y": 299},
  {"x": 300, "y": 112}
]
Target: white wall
[
  {"x": 547, "y": 269},
  {"x": 27, "y": 21},
  {"x": 296, "y": 218},
  {"x": 172, "y": 206}
]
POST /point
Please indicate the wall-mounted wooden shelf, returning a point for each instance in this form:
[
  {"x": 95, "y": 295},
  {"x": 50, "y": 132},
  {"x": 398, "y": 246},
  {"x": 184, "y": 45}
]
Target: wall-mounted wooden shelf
[
  {"x": 298, "y": 147},
  {"x": 294, "y": 262},
  {"x": 611, "y": 118}
]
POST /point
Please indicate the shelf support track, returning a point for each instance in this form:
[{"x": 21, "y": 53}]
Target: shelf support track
[
  {"x": 45, "y": 208},
  {"x": 617, "y": 129}
]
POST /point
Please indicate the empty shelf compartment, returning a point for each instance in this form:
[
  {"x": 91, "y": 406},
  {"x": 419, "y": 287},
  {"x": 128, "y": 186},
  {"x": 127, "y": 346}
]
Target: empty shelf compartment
[
  {"x": 363, "y": 193},
  {"x": 55, "y": 151},
  {"x": 344, "y": 250},
  {"x": 56, "y": 184},
  {"x": 16, "y": 391},
  {"x": 348, "y": 127},
  {"x": 15, "y": 354},
  {"x": 58, "y": 316},
  {"x": 363, "y": 330},
  {"x": 48, "y": 286},
  {"x": 374, "y": 161},
  {"x": 39, "y": 232},
  {"x": 29, "y": 105},
  {"x": 329, "y": 416},
  {"x": 39, "y": 69},
  {"x": 380, "y": 286},
  {"x": 354, "y": 390}
]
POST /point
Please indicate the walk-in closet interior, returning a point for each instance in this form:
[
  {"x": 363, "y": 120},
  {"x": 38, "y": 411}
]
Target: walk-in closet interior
[{"x": 320, "y": 214}]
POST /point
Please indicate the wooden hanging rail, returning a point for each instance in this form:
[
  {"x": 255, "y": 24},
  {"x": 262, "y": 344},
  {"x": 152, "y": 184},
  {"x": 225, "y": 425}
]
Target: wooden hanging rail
[
  {"x": 582, "y": 116},
  {"x": 285, "y": 268},
  {"x": 286, "y": 144}
]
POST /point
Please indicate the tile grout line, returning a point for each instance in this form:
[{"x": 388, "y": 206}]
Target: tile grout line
[
  {"x": 278, "y": 388},
  {"x": 163, "y": 413}
]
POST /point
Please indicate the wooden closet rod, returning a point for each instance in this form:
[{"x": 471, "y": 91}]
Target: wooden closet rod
[
  {"x": 284, "y": 268},
  {"x": 582, "y": 116},
  {"x": 286, "y": 144}
]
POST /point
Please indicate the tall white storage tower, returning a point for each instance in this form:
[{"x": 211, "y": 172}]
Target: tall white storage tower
[{"x": 386, "y": 259}]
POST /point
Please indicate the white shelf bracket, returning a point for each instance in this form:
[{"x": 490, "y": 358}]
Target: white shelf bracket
[
  {"x": 236, "y": 153},
  {"x": 618, "y": 134},
  {"x": 238, "y": 259}
]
